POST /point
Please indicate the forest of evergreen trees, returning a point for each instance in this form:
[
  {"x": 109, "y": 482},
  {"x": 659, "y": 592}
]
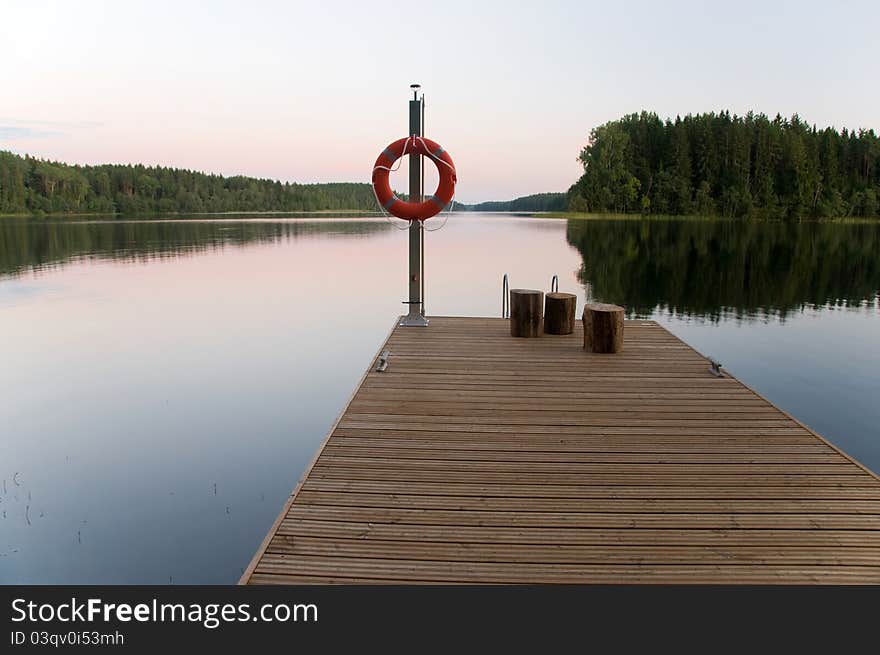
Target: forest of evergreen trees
[
  {"x": 538, "y": 202},
  {"x": 718, "y": 164},
  {"x": 705, "y": 164},
  {"x": 35, "y": 186}
]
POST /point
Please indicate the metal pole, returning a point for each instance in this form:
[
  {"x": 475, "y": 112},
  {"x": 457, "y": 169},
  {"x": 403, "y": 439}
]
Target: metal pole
[
  {"x": 422, "y": 226},
  {"x": 416, "y": 315}
]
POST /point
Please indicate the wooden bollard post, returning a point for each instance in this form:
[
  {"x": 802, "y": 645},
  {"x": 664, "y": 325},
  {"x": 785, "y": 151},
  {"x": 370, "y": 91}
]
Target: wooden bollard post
[
  {"x": 559, "y": 313},
  {"x": 603, "y": 328},
  {"x": 526, "y": 306}
]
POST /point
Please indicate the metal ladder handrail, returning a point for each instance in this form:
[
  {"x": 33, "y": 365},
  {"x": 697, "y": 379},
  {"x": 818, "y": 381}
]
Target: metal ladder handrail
[{"x": 505, "y": 293}]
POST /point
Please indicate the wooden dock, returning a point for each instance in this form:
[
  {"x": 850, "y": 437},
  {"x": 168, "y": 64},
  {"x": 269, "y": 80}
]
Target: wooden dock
[{"x": 476, "y": 457}]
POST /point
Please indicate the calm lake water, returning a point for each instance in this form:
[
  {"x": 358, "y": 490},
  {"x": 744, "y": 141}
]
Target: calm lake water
[{"x": 163, "y": 384}]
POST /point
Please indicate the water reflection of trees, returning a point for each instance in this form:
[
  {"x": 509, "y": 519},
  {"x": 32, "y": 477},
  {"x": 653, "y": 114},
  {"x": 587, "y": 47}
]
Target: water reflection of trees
[
  {"x": 36, "y": 244},
  {"x": 713, "y": 268}
]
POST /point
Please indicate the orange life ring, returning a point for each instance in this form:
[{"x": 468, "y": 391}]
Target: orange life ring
[{"x": 414, "y": 211}]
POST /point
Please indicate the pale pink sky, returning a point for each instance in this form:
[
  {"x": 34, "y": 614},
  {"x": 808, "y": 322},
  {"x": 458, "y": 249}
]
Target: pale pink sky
[{"x": 312, "y": 91}]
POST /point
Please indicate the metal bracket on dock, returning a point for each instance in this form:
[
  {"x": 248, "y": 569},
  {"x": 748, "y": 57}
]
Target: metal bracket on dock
[
  {"x": 383, "y": 361},
  {"x": 413, "y": 319},
  {"x": 715, "y": 368}
]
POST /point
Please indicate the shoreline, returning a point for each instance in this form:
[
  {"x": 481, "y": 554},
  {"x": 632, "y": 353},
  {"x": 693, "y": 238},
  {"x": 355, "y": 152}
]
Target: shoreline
[
  {"x": 587, "y": 216},
  {"x": 328, "y": 213},
  {"x": 358, "y": 213}
]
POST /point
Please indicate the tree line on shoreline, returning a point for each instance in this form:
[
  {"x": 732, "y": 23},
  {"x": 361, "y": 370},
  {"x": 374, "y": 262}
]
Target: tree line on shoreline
[
  {"x": 35, "y": 186},
  {"x": 538, "y": 202},
  {"x": 712, "y": 164},
  {"x": 718, "y": 164}
]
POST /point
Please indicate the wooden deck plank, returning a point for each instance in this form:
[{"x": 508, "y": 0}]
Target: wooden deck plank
[
  {"x": 583, "y": 554},
  {"x": 477, "y": 457},
  {"x": 621, "y": 479},
  {"x": 596, "y": 492},
  {"x": 541, "y": 453},
  {"x": 574, "y": 505},
  {"x": 642, "y": 519},
  {"x": 529, "y": 573},
  {"x": 583, "y": 536}
]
